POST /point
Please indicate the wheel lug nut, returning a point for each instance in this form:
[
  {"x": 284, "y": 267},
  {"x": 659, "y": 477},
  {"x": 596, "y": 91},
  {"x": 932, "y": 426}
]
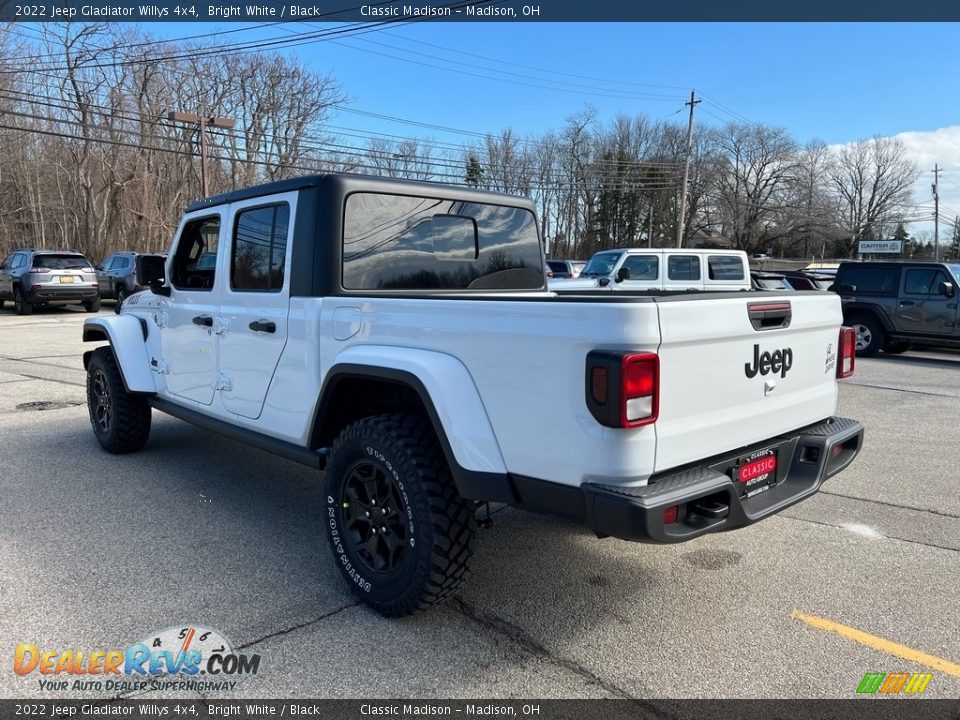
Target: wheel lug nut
[
  {"x": 374, "y": 531},
  {"x": 383, "y": 529},
  {"x": 368, "y": 513}
]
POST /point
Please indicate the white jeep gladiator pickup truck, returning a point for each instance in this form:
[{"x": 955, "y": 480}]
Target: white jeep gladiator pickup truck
[
  {"x": 661, "y": 269},
  {"x": 400, "y": 336}
]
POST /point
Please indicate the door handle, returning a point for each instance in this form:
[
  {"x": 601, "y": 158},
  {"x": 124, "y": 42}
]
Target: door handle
[
  {"x": 906, "y": 302},
  {"x": 205, "y": 320},
  {"x": 267, "y": 326}
]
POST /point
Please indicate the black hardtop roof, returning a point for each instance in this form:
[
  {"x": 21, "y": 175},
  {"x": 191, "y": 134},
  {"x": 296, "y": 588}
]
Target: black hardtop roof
[
  {"x": 892, "y": 263},
  {"x": 344, "y": 183}
]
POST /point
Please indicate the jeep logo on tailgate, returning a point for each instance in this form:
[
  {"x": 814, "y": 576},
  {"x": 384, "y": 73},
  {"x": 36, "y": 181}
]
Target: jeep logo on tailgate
[{"x": 779, "y": 361}]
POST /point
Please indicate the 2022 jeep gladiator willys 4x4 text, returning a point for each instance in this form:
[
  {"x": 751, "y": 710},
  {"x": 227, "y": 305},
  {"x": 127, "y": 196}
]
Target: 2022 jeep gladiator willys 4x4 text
[{"x": 400, "y": 336}]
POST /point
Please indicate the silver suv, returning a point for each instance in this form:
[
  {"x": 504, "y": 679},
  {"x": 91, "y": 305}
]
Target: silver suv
[
  {"x": 33, "y": 278},
  {"x": 119, "y": 276}
]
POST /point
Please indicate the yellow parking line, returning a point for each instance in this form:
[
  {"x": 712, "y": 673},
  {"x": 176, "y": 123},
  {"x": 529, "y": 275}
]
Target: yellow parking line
[{"x": 878, "y": 643}]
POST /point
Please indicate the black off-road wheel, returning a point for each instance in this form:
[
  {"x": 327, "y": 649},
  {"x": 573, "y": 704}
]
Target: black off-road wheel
[
  {"x": 120, "y": 420},
  {"x": 21, "y": 305},
  {"x": 92, "y": 306},
  {"x": 400, "y": 533}
]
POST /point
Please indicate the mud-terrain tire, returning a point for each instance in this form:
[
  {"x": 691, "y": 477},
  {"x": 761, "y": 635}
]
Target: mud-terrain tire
[
  {"x": 399, "y": 532},
  {"x": 120, "y": 420}
]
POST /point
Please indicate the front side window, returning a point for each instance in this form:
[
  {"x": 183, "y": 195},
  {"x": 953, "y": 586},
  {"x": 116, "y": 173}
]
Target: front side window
[
  {"x": 260, "y": 248},
  {"x": 925, "y": 281},
  {"x": 642, "y": 267},
  {"x": 195, "y": 261},
  {"x": 399, "y": 242},
  {"x": 683, "y": 267},
  {"x": 120, "y": 263}
]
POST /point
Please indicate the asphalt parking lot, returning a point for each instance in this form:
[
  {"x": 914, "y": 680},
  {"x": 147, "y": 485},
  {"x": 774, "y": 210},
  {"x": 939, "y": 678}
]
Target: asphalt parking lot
[{"x": 97, "y": 551}]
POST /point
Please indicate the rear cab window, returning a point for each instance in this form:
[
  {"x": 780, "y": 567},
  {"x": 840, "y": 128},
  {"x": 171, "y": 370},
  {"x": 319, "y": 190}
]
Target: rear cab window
[
  {"x": 725, "y": 267},
  {"x": 406, "y": 242}
]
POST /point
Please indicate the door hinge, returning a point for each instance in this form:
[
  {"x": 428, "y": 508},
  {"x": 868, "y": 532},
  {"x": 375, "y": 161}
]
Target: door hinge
[
  {"x": 220, "y": 326},
  {"x": 160, "y": 319},
  {"x": 159, "y": 366},
  {"x": 224, "y": 382}
]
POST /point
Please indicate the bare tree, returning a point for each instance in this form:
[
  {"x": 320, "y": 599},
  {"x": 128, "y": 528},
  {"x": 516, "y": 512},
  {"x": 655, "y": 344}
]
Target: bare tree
[{"x": 872, "y": 180}]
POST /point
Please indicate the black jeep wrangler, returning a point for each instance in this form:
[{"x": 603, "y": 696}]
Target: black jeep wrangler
[{"x": 896, "y": 305}]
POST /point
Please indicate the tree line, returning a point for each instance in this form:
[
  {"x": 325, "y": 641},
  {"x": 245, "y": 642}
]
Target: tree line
[{"x": 91, "y": 161}]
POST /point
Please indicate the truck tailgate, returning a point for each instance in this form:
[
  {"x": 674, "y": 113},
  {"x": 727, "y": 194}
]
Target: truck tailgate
[{"x": 725, "y": 383}]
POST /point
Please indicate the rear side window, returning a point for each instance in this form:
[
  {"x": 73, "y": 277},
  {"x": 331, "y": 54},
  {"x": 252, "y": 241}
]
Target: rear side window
[
  {"x": 871, "y": 280},
  {"x": 683, "y": 267},
  {"x": 724, "y": 267},
  {"x": 643, "y": 267},
  {"x": 400, "y": 242},
  {"x": 260, "y": 248},
  {"x": 120, "y": 263},
  {"x": 923, "y": 281}
]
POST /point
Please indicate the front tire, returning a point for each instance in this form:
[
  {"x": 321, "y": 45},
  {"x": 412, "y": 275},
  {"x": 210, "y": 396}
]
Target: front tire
[
  {"x": 21, "y": 305},
  {"x": 870, "y": 336},
  {"x": 399, "y": 532},
  {"x": 120, "y": 420}
]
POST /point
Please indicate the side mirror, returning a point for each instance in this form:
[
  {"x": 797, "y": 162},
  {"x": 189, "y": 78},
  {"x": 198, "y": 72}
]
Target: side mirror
[
  {"x": 603, "y": 282},
  {"x": 945, "y": 288},
  {"x": 623, "y": 274},
  {"x": 152, "y": 274}
]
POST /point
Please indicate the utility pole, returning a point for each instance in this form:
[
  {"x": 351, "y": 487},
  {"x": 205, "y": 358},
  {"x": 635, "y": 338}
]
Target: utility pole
[
  {"x": 650, "y": 227},
  {"x": 686, "y": 170},
  {"x": 202, "y": 123},
  {"x": 936, "y": 212}
]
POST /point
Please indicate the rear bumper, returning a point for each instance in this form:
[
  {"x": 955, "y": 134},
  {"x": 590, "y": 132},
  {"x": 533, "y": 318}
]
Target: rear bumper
[
  {"x": 705, "y": 495},
  {"x": 46, "y": 294}
]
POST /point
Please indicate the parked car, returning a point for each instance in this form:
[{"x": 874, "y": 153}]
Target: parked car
[
  {"x": 36, "y": 278},
  {"x": 896, "y": 305},
  {"x": 802, "y": 280},
  {"x": 119, "y": 276},
  {"x": 566, "y": 268},
  {"x": 762, "y": 280},
  {"x": 760, "y": 257},
  {"x": 678, "y": 269}
]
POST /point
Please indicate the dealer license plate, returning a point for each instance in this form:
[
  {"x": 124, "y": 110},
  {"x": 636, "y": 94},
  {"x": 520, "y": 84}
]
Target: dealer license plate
[
  {"x": 756, "y": 472},
  {"x": 66, "y": 279}
]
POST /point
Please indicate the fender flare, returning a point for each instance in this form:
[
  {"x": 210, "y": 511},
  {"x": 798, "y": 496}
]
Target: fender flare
[
  {"x": 864, "y": 308},
  {"x": 451, "y": 400},
  {"x": 126, "y": 335}
]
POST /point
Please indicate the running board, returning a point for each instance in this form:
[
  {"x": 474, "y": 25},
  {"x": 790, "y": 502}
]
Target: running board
[{"x": 305, "y": 456}]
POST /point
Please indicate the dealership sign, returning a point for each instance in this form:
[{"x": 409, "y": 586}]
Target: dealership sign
[{"x": 880, "y": 246}]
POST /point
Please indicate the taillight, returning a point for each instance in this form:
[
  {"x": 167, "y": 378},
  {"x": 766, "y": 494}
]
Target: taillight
[
  {"x": 848, "y": 352},
  {"x": 39, "y": 270},
  {"x": 640, "y": 383},
  {"x": 623, "y": 389}
]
